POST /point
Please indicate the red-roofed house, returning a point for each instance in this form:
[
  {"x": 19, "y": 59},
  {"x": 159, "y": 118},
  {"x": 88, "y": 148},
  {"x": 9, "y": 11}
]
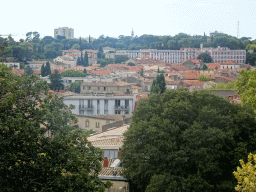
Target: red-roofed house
[
  {"x": 193, "y": 63},
  {"x": 229, "y": 65},
  {"x": 213, "y": 66}
]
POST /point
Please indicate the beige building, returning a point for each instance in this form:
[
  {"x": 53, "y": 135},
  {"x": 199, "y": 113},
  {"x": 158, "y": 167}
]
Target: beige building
[
  {"x": 104, "y": 87},
  {"x": 111, "y": 142},
  {"x": 36, "y": 65},
  {"x": 64, "y": 31},
  {"x": 100, "y": 123}
]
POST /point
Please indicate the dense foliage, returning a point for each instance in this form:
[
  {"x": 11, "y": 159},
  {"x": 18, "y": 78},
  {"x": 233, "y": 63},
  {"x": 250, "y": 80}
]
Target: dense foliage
[
  {"x": 246, "y": 87},
  {"x": 203, "y": 78},
  {"x": 73, "y": 73},
  {"x": 182, "y": 141},
  {"x": 246, "y": 174},
  {"x": 76, "y": 86},
  {"x": 29, "y": 161},
  {"x": 224, "y": 86},
  {"x": 56, "y": 81},
  {"x": 158, "y": 85},
  {"x": 49, "y": 47},
  {"x": 205, "y": 57}
]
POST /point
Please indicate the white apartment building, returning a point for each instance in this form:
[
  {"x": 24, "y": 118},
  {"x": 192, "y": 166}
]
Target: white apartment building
[
  {"x": 99, "y": 105},
  {"x": 219, "y": 54},
  {"x": 64, "y": 31}
]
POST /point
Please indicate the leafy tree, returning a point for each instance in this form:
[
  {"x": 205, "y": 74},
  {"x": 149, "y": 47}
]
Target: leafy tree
[
  {"x": 246, "y": 175},
  {"x": 203, "y": 78},
  {"x": 73, "y": 73},
  {"x": 43, "y": 71},
  {"x": 205, "y": 57},
  {"x": 130, "y": 64},
  {"x": 121, "y": 58},
  {"x": 224, "y": 86},
  {"x": 204, "y": 67},
  {"x": 56, "y": 81},
  {"x": 76, "y": 46},
  {"x": 47, "y": 68},
  {"x": 28, "y": 70},
  {"x": 186, "y": 141},
  {"x": 104, "y": 62},
  {"x": 31, "y": 162},
  {"x": 86, "y": 59},
  {"x": 158, "y": 85},
  {"x": 246, "y": 87},
  {"x": 100, "y": 53},
  {"x": 251, "y": 58},
  {"x": 76, "y": 86}
]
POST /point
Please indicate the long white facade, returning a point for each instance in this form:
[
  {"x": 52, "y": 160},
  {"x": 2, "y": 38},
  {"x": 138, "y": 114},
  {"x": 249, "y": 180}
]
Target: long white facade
[
  {"x": 219, "y": 54},
  {"x": 99, "y": 105}
]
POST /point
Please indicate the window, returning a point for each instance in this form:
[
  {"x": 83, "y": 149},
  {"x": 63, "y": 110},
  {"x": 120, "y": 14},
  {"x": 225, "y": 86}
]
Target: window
[
  {"x": 126, "y": 103},
  {"x": 106, "y": 112},
  {"x": 117, "y": 88},
  {"x": 98, "y": 88},
  {"x": 117, "y": 102},
  {"x": 104, "y": 88},
  {"x": 89, "y": 88},
  {"x": 97, "y": 124},
  {"x": 110, "y": 154},
  {"x": 117, "y": 112},
  {"x": 89, "y": 103},
  {"x": 87, "y": 123}
]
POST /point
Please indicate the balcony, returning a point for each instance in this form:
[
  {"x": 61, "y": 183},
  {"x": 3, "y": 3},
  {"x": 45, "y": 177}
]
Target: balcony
[
  {"x": 121, "y": 108},
  {"x": 86, "y": 108}
]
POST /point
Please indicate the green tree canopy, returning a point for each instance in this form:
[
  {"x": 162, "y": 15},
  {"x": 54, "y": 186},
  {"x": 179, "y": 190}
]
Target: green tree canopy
[
  {"x": 73, "y": 73},
  {"x": 203, "y": 78},
  {"x": 76, "y": 86},
  {"x": 183, "y": 141},
  {"x": 158, "y": 85},
  {"x": 246, "y": 87},
  {"x": 28, "y": 70},
  {"x": 121, "y": 58},
  {"x": 30, "y": 161},
  {"x": 56, "y": 81},
  {"x": 205, "y": 57}
]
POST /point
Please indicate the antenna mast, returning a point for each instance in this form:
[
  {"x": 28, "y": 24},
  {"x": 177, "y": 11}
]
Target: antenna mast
[{"x": 238, "y": 30}]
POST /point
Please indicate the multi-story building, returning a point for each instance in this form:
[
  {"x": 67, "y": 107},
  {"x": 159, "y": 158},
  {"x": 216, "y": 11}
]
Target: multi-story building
[
  {"x": 105, "y": 87},
  {"x": 64, "y": 31},
  {"x": 99, "y": 105},
  {"x": 219, "y": 54}
]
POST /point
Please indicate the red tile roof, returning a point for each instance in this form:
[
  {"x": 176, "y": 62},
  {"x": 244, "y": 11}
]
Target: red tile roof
[
  {"x": 100, "y": 72},
  {"x": 230, "y": 63},
  {"x": 213, "y": 65},
  {"x": 192, "y": 83},
  {"x": 193, "y": 60},
  {"x": 191, "y": 75}
]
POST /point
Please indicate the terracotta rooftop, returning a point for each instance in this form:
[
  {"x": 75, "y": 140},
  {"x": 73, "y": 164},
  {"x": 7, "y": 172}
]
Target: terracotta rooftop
[
  {"x": 191, "y": 75},
  {"x": 100, "y": 72},
  {"x": 213, "y": 66},
  {"x": 192, "y": 83},
  {"x": 193, "y": 60},
  {"x": 230, "y": 63}
]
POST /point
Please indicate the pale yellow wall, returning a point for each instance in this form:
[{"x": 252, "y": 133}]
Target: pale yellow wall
[
  {"x": 92, "y": 123},
  {"x": 100, "y": 89}
]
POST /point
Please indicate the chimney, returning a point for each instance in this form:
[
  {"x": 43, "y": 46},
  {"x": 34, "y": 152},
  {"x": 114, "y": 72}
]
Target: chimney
[{"x": 105, "y": 163}]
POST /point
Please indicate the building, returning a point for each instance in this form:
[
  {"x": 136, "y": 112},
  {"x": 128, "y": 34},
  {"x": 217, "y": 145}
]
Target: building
[
  {"x": 105, "y": 87},
  {"x": 111, "y": 142},
  {"x": 13, "y": 65},
  {"x": 101, "y": 104},
  {"x": 64, "y": 31},
  {"x": 219, "y": 54}
]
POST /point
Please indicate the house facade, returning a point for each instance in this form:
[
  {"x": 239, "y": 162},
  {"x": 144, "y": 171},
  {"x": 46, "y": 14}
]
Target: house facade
[{"x": 99, "y": 105}]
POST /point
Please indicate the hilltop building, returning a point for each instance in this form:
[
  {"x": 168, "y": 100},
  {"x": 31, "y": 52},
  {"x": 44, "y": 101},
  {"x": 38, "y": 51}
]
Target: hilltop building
[
  {"x": 219, "y": 54},
  {"x": 64, "y": 31}
]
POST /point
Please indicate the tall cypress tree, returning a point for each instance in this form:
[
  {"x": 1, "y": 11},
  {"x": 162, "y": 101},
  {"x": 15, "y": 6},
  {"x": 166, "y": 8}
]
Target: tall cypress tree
[
  {"x": 43, "y": 71},
  {"x": 47, "y": 68},
  {"x": 158, "y": 85},
  {"x": 86, "y": 60}
]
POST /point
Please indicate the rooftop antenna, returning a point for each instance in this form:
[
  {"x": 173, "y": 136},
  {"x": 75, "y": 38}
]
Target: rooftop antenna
[{"x": 238, "y": 30}]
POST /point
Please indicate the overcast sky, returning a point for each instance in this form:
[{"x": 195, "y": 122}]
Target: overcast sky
[{"x": 117, "y": 17}]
